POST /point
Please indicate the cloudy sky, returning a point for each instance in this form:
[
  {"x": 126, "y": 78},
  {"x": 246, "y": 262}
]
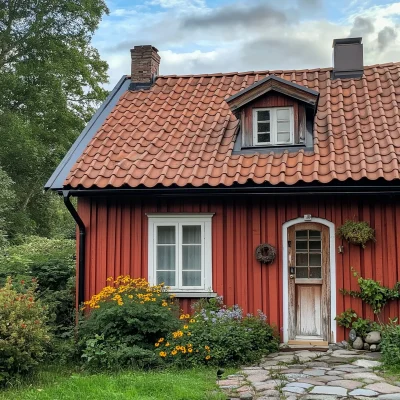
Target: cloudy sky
[{"x": 205, "y": 36}]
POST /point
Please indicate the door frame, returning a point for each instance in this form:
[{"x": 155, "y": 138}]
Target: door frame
[{"x": 285, "y": 275}]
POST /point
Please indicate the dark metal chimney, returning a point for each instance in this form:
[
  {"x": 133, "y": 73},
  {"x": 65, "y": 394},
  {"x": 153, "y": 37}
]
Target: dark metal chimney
[{"x": 348, "y": 58}]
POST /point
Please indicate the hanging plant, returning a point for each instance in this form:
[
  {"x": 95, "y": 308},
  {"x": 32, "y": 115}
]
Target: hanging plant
[
  {"x": 265, "y": 253},
  {"x": 356, "y": 232}
]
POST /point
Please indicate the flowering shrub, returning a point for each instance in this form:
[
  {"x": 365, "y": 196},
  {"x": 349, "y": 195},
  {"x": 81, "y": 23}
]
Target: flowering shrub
[
  {"x": 127, "y": 314},
  {"x": 23, "y": 332},
  {"x": 218, "y": 335}
]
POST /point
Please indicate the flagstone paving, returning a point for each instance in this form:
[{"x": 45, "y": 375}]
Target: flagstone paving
[{"x": 310, "y": 375}]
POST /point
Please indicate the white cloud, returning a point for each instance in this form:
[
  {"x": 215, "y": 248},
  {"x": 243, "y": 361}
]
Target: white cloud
[{"x": 198, "y": 42}]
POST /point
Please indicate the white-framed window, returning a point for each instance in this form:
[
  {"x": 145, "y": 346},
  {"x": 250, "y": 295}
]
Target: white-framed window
[
  {"x": 180, "y": 254},
  {"x": 273, "y": 126}
]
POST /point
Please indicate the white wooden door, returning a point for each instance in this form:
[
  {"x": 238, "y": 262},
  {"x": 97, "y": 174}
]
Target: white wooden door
[{"x": 309, "y": 282}]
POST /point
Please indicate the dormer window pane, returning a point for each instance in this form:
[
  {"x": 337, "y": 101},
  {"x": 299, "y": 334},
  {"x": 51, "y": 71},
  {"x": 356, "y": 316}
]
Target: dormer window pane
[{"x": 273, "y": 126}]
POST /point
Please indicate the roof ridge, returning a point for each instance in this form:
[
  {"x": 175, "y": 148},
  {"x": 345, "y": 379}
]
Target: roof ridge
[{"x": 277, "y": 71}]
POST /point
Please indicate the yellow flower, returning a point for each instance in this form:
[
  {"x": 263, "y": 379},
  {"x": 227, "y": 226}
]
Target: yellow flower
[
  {"x": 182, "y": 316},
  {"x": 157, "y": 344},
  {"x": 187, "y": 316},
  {"x": 192, "y": 320},
  {"x": 177, "y": 347},
  {"x": 189, "y": 345},
  {"x": 130, "y": 296},
  {"x": 167, "y": 344},
  {"x": 163, "y": 354},
  {"x": 189, "y": 333},
  {"x": 206, "y": 347},
  {"x": 185, "y": 326},
  {"x": 173, "y": 352},
  {"x": 190, "y": 350},
  {"x": 160, "y": 340},
  {"x": 208, "y": 357},
  {"x": 164, "y": 304}
]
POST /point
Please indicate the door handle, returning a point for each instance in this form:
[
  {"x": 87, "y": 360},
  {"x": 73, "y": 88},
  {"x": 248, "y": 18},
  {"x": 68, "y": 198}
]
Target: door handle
[{"x": 291, "y": 276}]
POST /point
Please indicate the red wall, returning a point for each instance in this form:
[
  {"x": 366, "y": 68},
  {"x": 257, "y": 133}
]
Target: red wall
[{"x": 117, "y": 244}]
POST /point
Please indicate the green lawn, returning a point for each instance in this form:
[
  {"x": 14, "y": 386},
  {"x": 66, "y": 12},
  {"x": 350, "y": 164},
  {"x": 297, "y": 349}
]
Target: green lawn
[{"x": 60, "y": 384}]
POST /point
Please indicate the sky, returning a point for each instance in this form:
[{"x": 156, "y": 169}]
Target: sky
[{"x": 207, "y": 36}]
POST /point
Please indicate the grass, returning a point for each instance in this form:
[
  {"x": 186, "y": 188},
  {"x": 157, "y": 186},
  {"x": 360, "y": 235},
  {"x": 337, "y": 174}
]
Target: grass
[{"x": 62, "y": 384}]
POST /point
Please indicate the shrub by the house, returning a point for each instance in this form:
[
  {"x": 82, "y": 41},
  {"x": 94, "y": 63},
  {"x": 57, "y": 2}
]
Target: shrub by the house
[
  {"x": 24, "y": 336},
  {"x": 390, "y": 345},
  {"x": 121, "y": 323},
  {"x": 218, "y": 335}
]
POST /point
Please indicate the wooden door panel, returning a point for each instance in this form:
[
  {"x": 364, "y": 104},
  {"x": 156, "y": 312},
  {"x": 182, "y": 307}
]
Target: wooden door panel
[
  {"x": 308, "y": 307},
  {"x": 308, "y": 293}
]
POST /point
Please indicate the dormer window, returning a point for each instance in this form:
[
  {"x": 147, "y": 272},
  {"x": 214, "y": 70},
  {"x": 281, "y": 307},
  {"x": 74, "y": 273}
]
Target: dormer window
[{"x": 273, "y": 126}]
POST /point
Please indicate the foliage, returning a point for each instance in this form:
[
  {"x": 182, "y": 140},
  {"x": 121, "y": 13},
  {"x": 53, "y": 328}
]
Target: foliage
[
  {"x": 373, "y": 293},
  {"x": 52, "y": 263},
  {"x": 100, "y": 354},
  {"x": 350, "y": 319},
  {"x": 346, "y": 318},
  {"x": 390, "y": 345},
  {"x": 125, "y": 316},
  {"x": 50, "y": 85},
  {"x": 356, "y": 232},
  {"x": 59, "y": 382},
  {"x": 7, "y": 199},
  {"x": 218, "y": 337},
  {"x": 24, "y": 335}
]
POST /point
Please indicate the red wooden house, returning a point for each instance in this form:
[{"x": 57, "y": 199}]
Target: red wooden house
[{"x": 180, "y": 178}]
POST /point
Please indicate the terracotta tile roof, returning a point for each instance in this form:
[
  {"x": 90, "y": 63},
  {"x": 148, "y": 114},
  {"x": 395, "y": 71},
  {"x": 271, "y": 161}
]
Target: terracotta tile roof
[{"x": 181, "y": 132}]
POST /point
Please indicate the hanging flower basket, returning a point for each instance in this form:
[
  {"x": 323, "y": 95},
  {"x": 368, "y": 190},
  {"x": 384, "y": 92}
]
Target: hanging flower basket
[
  {"x": 265, "y": 253},
  {"x": 356, "y": 232}
]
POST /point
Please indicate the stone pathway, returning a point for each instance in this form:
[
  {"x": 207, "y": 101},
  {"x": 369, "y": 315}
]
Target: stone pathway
[{"x": 303, "y": 374}]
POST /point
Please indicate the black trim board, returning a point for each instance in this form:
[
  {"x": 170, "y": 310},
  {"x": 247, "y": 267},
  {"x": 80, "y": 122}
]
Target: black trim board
[{"x": 58, "y": 177}]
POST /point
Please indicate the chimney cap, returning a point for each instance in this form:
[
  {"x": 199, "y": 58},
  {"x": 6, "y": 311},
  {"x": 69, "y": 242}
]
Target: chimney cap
[
  {"x": 347, "y": 41},
  {"x": 143, "y": 47}
]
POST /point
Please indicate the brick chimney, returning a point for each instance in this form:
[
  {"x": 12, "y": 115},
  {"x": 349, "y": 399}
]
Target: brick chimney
[{"x": 145, "y": 64}]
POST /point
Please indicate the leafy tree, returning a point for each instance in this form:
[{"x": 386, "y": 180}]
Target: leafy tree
[
  {"x": 7, "y": 199},
  {"x": 50, "y": 85}
]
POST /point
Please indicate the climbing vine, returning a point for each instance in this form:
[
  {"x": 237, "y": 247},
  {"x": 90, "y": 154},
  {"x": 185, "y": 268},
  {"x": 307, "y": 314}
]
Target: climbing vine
[{"x": 373, "y": 293}]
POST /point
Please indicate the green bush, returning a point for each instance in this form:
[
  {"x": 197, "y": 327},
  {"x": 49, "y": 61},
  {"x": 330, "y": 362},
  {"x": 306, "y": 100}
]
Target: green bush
[
  {"x": 390, "y": 345},
  {"x": 350, "y": 319},
  {"x": 52, "y": 263},
  {"x": 24, "y": 336},
  {"x": 123, "y": 321},
  {"x": 218, "y": 336}
]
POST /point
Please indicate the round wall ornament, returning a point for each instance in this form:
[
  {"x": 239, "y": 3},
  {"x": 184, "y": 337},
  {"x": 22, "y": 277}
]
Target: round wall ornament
[{"x": 265, "y": 253}]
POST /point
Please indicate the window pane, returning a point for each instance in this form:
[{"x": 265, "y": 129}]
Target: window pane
[
  {"x": 263, "y": 138},
  {"x": 283, "y": 126},
  {"x": 191, "y": 278},
  {"x": 301, "y": 245},
  {"x": 315, "y": 245},
  {"x": 262, "y": 115},
  {"x": 283, "y": 114},
  {"x": 315, "y": 234},
  {"x": 166, "y": 234},
  {"x": 264, "y": 127},
  {"x": 191, "y": 257},
  {"x": 302, "y": 259},
  {"x": 167, "y": 277},
  {"x": 315, "y": 273},
  {"x": 301, "y": 234},
  {"x": 191, "y": 234},
  {"x": 302, "y": 272},
  {"x": 315, "y": 259},
  {"x": 283, "y": 137},
  {"x": 165, "y": 257}
]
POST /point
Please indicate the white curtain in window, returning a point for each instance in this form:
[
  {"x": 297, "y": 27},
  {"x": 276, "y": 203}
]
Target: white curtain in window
[
  {"x": 191, "y": 255},
  {"x": 166, "y": 251}
]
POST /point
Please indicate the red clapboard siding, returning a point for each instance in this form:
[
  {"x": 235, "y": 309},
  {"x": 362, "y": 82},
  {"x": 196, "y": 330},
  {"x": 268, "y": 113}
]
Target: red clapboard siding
[{"x": 117, "y": 244}]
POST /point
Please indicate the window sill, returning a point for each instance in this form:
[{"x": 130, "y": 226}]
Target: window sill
[{"x": 194, "y": 294}]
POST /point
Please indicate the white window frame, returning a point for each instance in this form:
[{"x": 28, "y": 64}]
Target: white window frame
[
  {"x": 274, "y": 126},
  {"x": 178, "y": 220}
]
